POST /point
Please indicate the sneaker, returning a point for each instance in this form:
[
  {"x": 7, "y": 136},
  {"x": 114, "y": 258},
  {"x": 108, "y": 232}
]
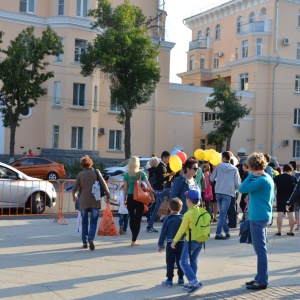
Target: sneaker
[
  {"x": 187, "y": 287},
  {"x": 167, "y": 283},
  {"x": 221, "y": 237},
  {"x": 195, "y": 288},
  {"x": 92, "y": 246},
  {"x": 84, "y": 246},
  {"x": 181, "y": 282},
  {"x": 151, "y": 229},
  {"x": 121, "y": 230},
  {"x": 228, "y": 235}
]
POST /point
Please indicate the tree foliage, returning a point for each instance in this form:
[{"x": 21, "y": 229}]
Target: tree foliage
[
  {"x": 127, "y": 57},
  {"x": 229, "y": 110},
  {"x": 22, "y": 73}
]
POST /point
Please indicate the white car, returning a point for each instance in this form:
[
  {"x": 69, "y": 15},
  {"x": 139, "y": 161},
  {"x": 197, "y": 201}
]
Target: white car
[
  {"x": 17, "y": 190},
  {"x": 121, "y": 168}
]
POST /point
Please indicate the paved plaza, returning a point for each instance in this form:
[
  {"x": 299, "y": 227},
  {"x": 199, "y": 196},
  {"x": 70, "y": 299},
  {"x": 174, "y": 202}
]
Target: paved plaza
[{"x": 41, "y": 259}]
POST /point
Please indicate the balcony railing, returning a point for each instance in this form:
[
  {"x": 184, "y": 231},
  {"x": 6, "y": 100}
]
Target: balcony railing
[
  {"x": 198, "y": 44},
  {"x": 256, "y": 27}
]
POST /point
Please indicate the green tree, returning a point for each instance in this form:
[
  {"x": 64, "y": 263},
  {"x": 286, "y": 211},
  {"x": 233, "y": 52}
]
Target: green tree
[
  {"x": 126, "y": 56},
  {"x": 229, "y": 110},
  {"x": 22, "y": 73}
]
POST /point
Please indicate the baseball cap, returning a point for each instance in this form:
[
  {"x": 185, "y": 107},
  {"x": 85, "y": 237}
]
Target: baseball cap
[{"x": 193, "y": 195}]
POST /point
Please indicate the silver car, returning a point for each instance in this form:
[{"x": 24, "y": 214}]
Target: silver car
[{"x": 17, "y": 190}]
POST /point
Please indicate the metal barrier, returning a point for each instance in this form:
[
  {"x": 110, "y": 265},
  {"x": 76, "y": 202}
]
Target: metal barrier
[{"x": 51, "y": 198}]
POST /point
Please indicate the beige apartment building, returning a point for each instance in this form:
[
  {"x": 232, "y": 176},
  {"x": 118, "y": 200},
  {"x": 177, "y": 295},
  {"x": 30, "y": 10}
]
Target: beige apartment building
[
  {"x": 255, "y": 45},
  {"x": 248, "y": 42}
]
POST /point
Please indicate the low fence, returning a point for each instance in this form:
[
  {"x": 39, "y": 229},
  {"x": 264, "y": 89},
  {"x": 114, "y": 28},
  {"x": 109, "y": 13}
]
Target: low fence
[{"x": 50, "y": 198}]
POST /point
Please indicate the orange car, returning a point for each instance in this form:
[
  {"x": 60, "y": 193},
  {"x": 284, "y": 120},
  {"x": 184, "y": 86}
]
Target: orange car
[{"x": 40, "y": 167}]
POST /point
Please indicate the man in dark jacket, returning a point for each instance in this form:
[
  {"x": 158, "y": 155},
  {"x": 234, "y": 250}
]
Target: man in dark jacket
[{"x": 161, "y": 178}]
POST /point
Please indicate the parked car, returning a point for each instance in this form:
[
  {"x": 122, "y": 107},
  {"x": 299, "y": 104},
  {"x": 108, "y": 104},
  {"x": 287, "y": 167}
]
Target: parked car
[
  {"x": 17, "y": 190},
  {"x": 121, "y": 168},
  {"x": 40, "y": 167}
]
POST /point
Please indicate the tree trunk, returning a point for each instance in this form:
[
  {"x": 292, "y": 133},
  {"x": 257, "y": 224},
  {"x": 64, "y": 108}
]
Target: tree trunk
[
  {"x": 12, "y": 143},
  {"x": 228, "y": 142},
  {"x": 127, "y": 138}
]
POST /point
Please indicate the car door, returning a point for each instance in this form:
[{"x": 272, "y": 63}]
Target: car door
[
  {"x": 26, "y": 166},
  {"x": 42, "y": 167}
]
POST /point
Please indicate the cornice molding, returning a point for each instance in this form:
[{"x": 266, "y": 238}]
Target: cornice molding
[
  {"x": 163, "y": 45},
  {"x": 221, "y": 11},
  {"x": 54, "y": 22}
]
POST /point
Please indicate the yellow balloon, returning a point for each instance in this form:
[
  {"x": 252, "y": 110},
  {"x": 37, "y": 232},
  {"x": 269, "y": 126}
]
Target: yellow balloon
[
  {"x": 175, "y": 163},
  {"x": 199, "y": 154},
  {"x": 207, "y": 154},
  {"x": 215, "y": 159}
]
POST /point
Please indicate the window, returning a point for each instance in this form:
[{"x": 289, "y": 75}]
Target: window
[
  {"x": 78, "y": 94},
  {"x": 59, "y": 56},
  {"x": 77, "y": 138},
  {"x": 299, "y": 18},
  {"x": 82, "y": 8},
  {"x": 115, "y": 107},
  {"x": 252, "y": 17},
  {"x": 244, "y": 49},
  {"x": 296, "y": 148},
  {"x": 298, "y": 50},
  {"x": 95, "y": 98},
  {"x": 94, "y": 139},
  {"x": 199, "y": 35},
  {"x": 202, "y": 144},
  {"x": 202, "y": 61},
  {"x": 80, "y": 48},
  {"x": 239, "y": 25},
  {"x": 115, "y": 139},
  {"x": 192, "y": 59},
  {"x": 259, "y": 46},
  {"x": 236, "y": 53},
  {"x": 216, "y": 61},
  {"x": 218, "y": 32},
  {"x": 244, "y": 82},
  {"x": 55, "y": 136},
  {"x": 210, "y": 117},
  {"x": 57, "y": 86},
  {"x": 61, "y": 7},
  {"x": 207, "y": 32},
  {"x": 263, "y": 13},
  {"x": 297, "y": 84},
  {"x": 297, "y": 116},
  {"x": 27, "y": 6}
]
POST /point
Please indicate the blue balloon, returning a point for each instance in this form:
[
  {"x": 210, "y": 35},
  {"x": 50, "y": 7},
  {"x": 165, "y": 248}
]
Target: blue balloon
[{"x": 174, "y": 152}]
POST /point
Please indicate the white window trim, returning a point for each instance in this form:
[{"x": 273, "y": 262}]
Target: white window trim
[
  {"x": 27, "y": 7},
  {"x": 78, "y": 95},
  {"x": 79, "y": 50},
  {"x": 77, "y": 137},
  {"x": 115, "y": 140},
  {"x": 297, "y": 80},
  {"x": 63, "y": 8},
  {"x": 55, "y": 133},
  {"x": 57, "y": 93},
  {"x": 81, "y": 9},
  {"x": 245, "y": 53}
]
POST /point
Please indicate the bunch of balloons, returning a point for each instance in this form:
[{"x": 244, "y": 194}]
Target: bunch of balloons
[
  {"x": 176, "y": 160},
  {"x": 209, "y": 155}
]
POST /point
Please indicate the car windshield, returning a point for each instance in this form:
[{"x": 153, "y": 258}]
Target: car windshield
[{"x": 123, "y": 163}]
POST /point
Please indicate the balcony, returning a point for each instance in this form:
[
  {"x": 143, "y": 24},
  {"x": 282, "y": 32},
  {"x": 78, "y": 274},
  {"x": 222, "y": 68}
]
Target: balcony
[
  {"x": 199, "y": 44},
  {"x": 256, "y": 27}
]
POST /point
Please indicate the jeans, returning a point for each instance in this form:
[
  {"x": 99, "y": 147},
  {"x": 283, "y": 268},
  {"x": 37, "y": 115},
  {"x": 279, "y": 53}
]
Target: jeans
[
  {"x": 232, "y": 213},
  {"x": 89, "y": 235},
  {"x": 223, "y": 203},
  {"x": 172, "y": 256},
  {"x": 135, "y": 210},
  {"x": 190, "y": 268},
  {"x": 259, "y": 241},
  {"x": 155, "y": 210},
  {"x": 123, "y": 221}
]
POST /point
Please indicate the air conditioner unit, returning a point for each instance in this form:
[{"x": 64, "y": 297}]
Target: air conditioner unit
[
  {"x": 286, "y": 41},
  {"x": 286, "y": 142},
  {"x": 101, "y": 131},
  {"x": 220, "y": 54}
]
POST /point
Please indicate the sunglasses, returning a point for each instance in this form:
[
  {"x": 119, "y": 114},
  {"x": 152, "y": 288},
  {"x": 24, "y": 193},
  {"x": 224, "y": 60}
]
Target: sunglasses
[{"x": 195, "y": 169}]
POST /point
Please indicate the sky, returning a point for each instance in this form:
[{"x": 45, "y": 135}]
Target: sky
[{"x": 178, "y": 33}]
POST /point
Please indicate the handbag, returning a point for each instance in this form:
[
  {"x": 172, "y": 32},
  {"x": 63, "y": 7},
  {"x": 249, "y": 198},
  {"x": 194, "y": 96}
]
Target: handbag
[
  {"x": 107, "y": 225},
  {"x": 102, "y": 192},
  {"x": 141, "y": 192},
  {"x": 164, "y": 207},
  {"x": 208, "y": 194}
]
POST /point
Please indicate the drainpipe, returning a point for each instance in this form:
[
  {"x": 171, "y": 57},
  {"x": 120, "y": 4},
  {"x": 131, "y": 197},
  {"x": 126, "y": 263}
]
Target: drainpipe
[{"x": 274, "y": 79}]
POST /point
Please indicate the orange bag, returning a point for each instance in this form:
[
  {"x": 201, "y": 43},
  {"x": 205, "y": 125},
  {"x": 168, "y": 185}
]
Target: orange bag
[
  {"x": 107, "y": 225},
  {"x": 141, "y": 194}
]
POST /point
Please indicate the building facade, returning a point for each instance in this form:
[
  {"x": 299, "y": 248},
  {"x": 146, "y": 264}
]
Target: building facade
[{"x": 255, "y": 46}]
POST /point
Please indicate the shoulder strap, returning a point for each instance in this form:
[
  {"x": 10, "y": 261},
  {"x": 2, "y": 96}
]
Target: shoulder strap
[{"x": 98, "y": 177}]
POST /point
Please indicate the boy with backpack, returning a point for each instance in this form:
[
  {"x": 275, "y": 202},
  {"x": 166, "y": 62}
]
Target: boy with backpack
[
  {"x": 196, "y": 225},
  {"x": 170, "y": 227}
]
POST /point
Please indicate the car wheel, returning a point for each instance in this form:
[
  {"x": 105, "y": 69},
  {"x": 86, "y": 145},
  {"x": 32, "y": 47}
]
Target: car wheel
[
  {"x": 52, "y": 176},
  {"x": 37, "y": 203}
]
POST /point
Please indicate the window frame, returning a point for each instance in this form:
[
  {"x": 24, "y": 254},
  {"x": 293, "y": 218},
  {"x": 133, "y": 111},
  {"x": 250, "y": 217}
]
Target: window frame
[
  {"x": 202, "y": 61},
  {"x": 239, "y": 22},
  {"x": 79, "y": 50},
  {"x": 115, "y": 140},
  {"x": 245, "y": 49},
  {"x": 60, "y": 7},
  {"x": 27, "y": 3},
  {"x": 78, "y": 101},
  {"x": 96, "y": 97},
  {"x": 297, "y": 84},
  {"x": 259, "y": 46},
  {"x": 192, "y": 62},
  {"x": 296, "y": 148},
  {"x": 216, "y": 61},
  {"x": 77, "y": 132},
  {"x": 80, "y": 13},
  {"x": 252, "y": 17},
  {"x": 207, "y": 32},
  {"x": 210, "y": 117},
  {"x": 55, "y": 136},
  {"x": 218, "y": 32},
  {"x": 57, "y": 93},
  {"x": 199, "y": 35},
  {"x": 244, "y": 82},
  {"x": 298, "y": 51}
]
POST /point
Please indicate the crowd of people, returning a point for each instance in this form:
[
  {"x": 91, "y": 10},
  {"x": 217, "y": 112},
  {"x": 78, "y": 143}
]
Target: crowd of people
[{"x": 256, "y": 183}]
